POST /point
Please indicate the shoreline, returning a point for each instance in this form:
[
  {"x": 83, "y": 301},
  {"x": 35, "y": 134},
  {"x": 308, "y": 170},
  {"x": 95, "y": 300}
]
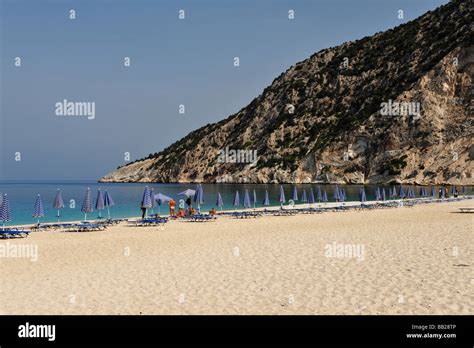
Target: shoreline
[{"x": 272, "y": 208}]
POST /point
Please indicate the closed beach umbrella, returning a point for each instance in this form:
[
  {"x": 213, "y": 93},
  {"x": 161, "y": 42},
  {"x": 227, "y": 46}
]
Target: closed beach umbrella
[
  {"x": 38, "y": 211},
  {"x": 433, "y": 191},
  {"x": 58, "y": 203},
  {"x": 378, "y": 196},
  {"x": 342, "y": 197},
  {"x": 362, "y": 196},
  {"x": 463, "y": 190},
  {"x": 384, "y": 197},
  {"x": 247, "y": 203},
  {"x": 254, "y": 199},
  {"x": 453, "y": 188},
  {"x": 311, "y": 199},
  {"x": 295, "y": 194},
  {"x": 337, "y": 194},
  {"x": 266, "y": 200},
  {"x": 237, "y": 199},
  {"x": 108, "y": 202},
  {"x": 304, "y": 199},
  {"x": 5, "y": 213},
  {"x": 281, "y": 197},
  {"x": 402, "y": 192},
  {"x": 319, "y": 194},
  {"x": 146, "y": 200},
  {"x": 87, "y": 204},
  {"x": 199, "y": 197},
  {"x": 219, "y": 201},
  {"x": 325, "y": 196},
  {"x": 394, "y": 192},
  {"x": 99, "y": 203}
]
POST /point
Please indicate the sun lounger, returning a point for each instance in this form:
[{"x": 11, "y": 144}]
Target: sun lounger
[
  {"x": 466, "y": 210},
  {"x": 85, "y": 227},
  {"x": 147, "y": 222},
  {"x": 200, "y": 218},
  {"x": 245, "y": 215},
  {"x": 284, "y": 212}
]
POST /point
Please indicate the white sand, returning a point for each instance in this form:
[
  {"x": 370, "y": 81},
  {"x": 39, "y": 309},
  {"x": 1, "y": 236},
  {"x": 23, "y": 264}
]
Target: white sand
[{"x": 416, "y": 261}]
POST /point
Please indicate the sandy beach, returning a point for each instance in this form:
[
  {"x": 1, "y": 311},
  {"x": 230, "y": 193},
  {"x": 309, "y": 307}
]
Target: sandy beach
[{"x": 417, "y": 260}]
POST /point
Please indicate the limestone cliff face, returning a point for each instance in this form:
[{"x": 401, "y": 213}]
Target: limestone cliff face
[{"x": 394, "y": 107}]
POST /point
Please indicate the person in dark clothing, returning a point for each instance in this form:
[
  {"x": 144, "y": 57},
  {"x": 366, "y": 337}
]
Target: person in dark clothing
[
  {"x": 188, "y": 201},
  {"x": 143, "y": 209}
]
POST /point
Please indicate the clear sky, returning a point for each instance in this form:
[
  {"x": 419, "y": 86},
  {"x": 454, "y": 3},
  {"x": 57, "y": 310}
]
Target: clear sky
[{"x": 173, "y": 62}]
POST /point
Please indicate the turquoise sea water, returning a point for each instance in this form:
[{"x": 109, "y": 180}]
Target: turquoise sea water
[{"x": 127, "y": 197}]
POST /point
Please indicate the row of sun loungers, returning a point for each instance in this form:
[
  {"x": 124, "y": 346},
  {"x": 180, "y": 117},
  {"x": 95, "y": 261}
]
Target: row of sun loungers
[
  {"x": 200, "y": 218},
  {"x": 148, "y": 222},
  {"x": 14, "y": 232}
]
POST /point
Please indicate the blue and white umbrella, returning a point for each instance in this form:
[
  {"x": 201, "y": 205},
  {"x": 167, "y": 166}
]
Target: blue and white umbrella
[
  {"x": 237, "y": 199},
  {"x": 58, "y": 203},
  {"x": 247, "y": 203},
  {"x": 319, "y": 195},
  {"x": 219, "y": 201},
  {"x": 5, "y": 212},
  {"x": 87, "y": 204},
  {"x": 108, "y": 202},
  {"x": 304, "y": 198},
  {"x": 378, "y": 196},
  {"x": 38, "y": 211},
  {"x": 254, "y": 199},
  {"x": 342, "y": 196},
  {"x": 161, "y": 198},
  {"x": 384, "y": 197},
  {"x": 433, "y": 191},
  {"x": 281, "y": 197},
  {"x": 336, "y": 194},
  {"x": 402, "y": 192},
  {"x": 463, "y": 190},
  {"x": 393, "y": 193},
  {"x": 295, "y": 194},
  {"x": 146, "y": 200},
  {"x": 311, "y": 199},
  {"x": 187, "y": 193},
  {"x": 362, "y": 196},
  {"x": 99, "y": 203},
  {"x": 199, "y": 197},
  {"x": 325, "y": 196},
  {"x": 266, "y": 200}
]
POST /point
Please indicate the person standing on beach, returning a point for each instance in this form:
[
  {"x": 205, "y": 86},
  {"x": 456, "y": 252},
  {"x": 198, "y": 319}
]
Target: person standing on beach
[
  {"x": 143, "y": 209},
  {"x": 172, "y": 205}
]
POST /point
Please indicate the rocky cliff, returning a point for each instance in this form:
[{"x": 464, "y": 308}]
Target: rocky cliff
[{"x": 394, "y": 107}]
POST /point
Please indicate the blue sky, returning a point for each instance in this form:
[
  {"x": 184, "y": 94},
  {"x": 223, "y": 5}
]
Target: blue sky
[{"x": 173, "y": 62}]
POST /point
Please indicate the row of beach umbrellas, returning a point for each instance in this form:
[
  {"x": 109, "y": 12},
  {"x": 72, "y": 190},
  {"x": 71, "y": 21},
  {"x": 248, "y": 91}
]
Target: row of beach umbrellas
[
  {"x": 150, "y": 199},
  {"x": 104, "y": 200},
  {"x": 339, "y": 195}
]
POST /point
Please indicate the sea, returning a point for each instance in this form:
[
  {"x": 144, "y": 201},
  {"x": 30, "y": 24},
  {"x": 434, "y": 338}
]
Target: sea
[{"x": 128, "y": 196}]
